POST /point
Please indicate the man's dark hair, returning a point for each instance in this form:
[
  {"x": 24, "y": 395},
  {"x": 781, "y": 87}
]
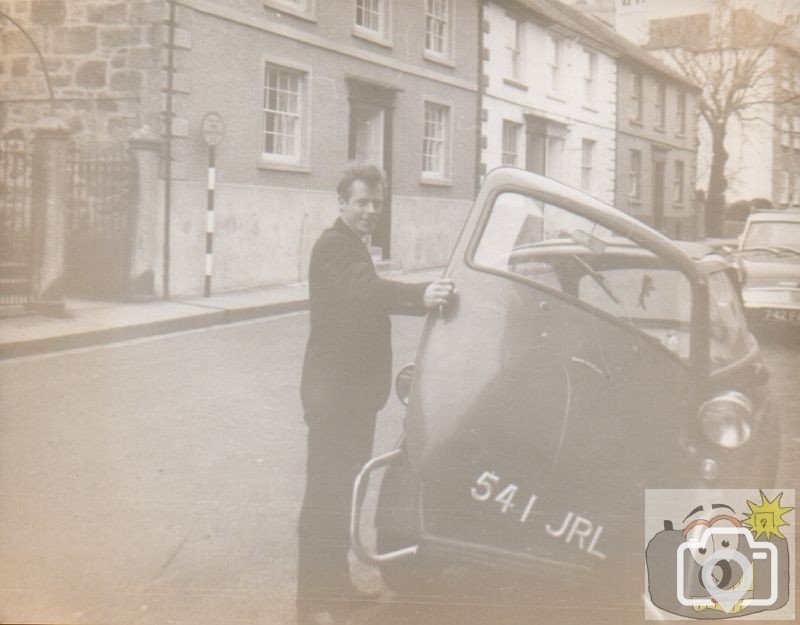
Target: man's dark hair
[{"x": 369, "y": 174}]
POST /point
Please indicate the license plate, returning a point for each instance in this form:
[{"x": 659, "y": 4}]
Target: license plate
[{"x": 779, "y": 314}]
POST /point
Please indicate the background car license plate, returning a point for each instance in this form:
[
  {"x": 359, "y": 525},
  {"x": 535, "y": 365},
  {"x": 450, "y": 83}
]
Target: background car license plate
[{"x": 778, "y": 314}]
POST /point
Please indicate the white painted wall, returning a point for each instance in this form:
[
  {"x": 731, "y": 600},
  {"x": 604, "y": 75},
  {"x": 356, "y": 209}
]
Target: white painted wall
[{"x": 595, "y": 120}]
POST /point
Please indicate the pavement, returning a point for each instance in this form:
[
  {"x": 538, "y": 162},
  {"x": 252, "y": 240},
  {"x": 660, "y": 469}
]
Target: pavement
[{"x": 94, "y": 322}]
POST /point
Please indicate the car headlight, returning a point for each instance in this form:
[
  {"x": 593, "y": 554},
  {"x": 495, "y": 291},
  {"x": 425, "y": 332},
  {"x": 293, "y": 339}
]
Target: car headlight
[
  {"x": 402, "y": 383},
  {"x": 727, "y": 419}
]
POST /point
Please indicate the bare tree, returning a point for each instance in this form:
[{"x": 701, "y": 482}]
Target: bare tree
[{"x": 738, "y": 58}]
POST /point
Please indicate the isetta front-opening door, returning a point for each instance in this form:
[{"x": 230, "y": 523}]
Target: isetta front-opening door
[{"x": 552, "y": 394}]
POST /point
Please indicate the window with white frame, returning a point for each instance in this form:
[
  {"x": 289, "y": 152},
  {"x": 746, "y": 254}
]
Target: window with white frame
[
  {"x": 511, "y": 136},
  {"x": 435, "y": 140},
  {"x": 372, "y": 17},
  {"x": 678, "y": 184},
  {"x": 796, "y": 191},
  {"x": 786, "y": 131},
  {"x": 437, "y": 27},
  {"x": 283, "y": 113},
  {"x": 636, "y": 97},
  {"x": 796, "y": 133},
  {"x": 554, "y": 60},
  {"x": 784, "y": 191},
  {"x": 635, "y": 175},
  {"x": 587, "y": 164},
  {"x": 589, "y": 76},
  {"x": 514, "y": 43},
  {"x": 661, "y": 105},
  {"x": 680, "y": 113}
]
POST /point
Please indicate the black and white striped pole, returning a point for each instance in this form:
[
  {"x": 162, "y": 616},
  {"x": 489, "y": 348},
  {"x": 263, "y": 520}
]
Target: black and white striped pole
[
  {"x": 212, "y": 179},
  {"x": 213, "y": 130}
]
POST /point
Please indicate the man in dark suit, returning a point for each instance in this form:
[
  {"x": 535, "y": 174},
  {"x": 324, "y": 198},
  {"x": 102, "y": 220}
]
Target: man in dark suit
[{"x": 346, "y": 381}]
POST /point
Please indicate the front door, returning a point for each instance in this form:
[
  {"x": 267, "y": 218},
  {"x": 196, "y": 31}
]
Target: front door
[{"x": 369, "y": 142}]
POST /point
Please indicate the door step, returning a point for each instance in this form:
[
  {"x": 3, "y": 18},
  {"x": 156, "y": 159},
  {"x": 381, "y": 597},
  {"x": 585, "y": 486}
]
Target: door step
[{"x": 389, "y": 267}]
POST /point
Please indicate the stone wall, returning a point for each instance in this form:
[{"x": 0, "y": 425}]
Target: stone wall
[{"x": 102, "y": 57}]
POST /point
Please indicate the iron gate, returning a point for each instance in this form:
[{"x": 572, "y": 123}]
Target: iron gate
[
  {"x": 98, "y": 242},
  {"x": 15, "y": 218}
]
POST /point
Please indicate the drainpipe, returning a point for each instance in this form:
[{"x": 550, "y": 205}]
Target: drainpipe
[
  {"x": 481, "y": 89},
  {"x": 168, "y": 128}
]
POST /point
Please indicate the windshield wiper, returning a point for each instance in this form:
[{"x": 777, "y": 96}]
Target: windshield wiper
[
  {"x": 773, "y": 249},
  {"x": 599, "y": 278},
  {"x": 782, "y": 248}
]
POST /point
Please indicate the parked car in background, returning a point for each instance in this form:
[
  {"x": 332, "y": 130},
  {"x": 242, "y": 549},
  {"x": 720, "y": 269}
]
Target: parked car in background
[
  {"x": 587, "y": 358},
  {"x": 769, "y": 254}
]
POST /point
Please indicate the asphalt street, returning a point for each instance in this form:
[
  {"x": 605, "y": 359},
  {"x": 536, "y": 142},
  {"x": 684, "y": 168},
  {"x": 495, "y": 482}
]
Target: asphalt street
[{"x": 158, "y": 481}]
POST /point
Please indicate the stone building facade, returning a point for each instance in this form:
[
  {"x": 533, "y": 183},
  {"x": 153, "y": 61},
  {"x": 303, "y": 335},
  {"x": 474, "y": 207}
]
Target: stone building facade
[{"x": 102, "y": 59}]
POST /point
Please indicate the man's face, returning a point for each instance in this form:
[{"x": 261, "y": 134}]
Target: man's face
[{"x": 363, "y": 208}]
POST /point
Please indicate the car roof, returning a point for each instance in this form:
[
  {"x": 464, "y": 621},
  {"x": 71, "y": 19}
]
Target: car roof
[{"x": 786, "y": 215}]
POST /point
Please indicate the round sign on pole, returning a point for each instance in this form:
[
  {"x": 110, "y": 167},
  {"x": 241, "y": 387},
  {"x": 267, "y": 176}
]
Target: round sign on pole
[{"x": 213, "y": 128}]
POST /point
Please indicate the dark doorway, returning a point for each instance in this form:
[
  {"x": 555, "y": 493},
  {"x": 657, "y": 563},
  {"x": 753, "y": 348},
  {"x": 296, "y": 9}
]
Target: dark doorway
[
  {"x": 370, "y": 140},
  {"x": 535, "y": 152}
]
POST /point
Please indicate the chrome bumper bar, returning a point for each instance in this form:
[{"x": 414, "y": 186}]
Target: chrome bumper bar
[{"x": 359, "y": 492}]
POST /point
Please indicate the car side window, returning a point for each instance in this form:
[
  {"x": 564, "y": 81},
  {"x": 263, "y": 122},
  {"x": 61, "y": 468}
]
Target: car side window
[
  {"x": 556, "y": 248},
  {"x": 730, "y": 338}
]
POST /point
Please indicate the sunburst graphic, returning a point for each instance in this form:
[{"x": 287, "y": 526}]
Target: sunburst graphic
[{"x": 767, "y": 517}]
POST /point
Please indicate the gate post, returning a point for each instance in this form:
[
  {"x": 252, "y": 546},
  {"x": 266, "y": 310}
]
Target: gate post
[
  {"x": 145, "y": 146},
  {"x": 50, "y": 208}
]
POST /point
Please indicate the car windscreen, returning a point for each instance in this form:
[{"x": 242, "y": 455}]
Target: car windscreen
[
  {"x": 773, "y": 234},
  {"x": 552, "y": 247}
]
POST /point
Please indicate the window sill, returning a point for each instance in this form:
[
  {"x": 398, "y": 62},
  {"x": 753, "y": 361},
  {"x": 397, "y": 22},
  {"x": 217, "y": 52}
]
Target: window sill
[
  {"x": 660, "y": 129},
  {"x": 515, "y": 83},
  {"x": 300, "y": 168},
  {"x": 678, "y": 206},
  {"x": 590, "y": 108},
  {"x": 437, "y": 58},
  {"x": 635, "y": 121},
  {"x": 371, "y": 36},
  {"x": 281, "y": 7},
  {"x": 435, "y": 181},
  {"x": 680, "y": 135},
  {"x": 555, "y": 96},
  {"x": 635, "y": 201}
]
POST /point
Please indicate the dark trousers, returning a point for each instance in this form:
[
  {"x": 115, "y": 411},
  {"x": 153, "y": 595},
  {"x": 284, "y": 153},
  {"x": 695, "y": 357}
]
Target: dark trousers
[{"x": 338, "y": 446}]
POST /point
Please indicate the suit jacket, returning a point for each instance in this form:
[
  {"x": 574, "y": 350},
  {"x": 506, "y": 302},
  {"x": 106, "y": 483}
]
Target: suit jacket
[{"x": 348, "y": 362}]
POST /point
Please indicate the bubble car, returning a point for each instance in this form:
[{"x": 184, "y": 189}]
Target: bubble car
[{"x": 587, "y": 358}]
